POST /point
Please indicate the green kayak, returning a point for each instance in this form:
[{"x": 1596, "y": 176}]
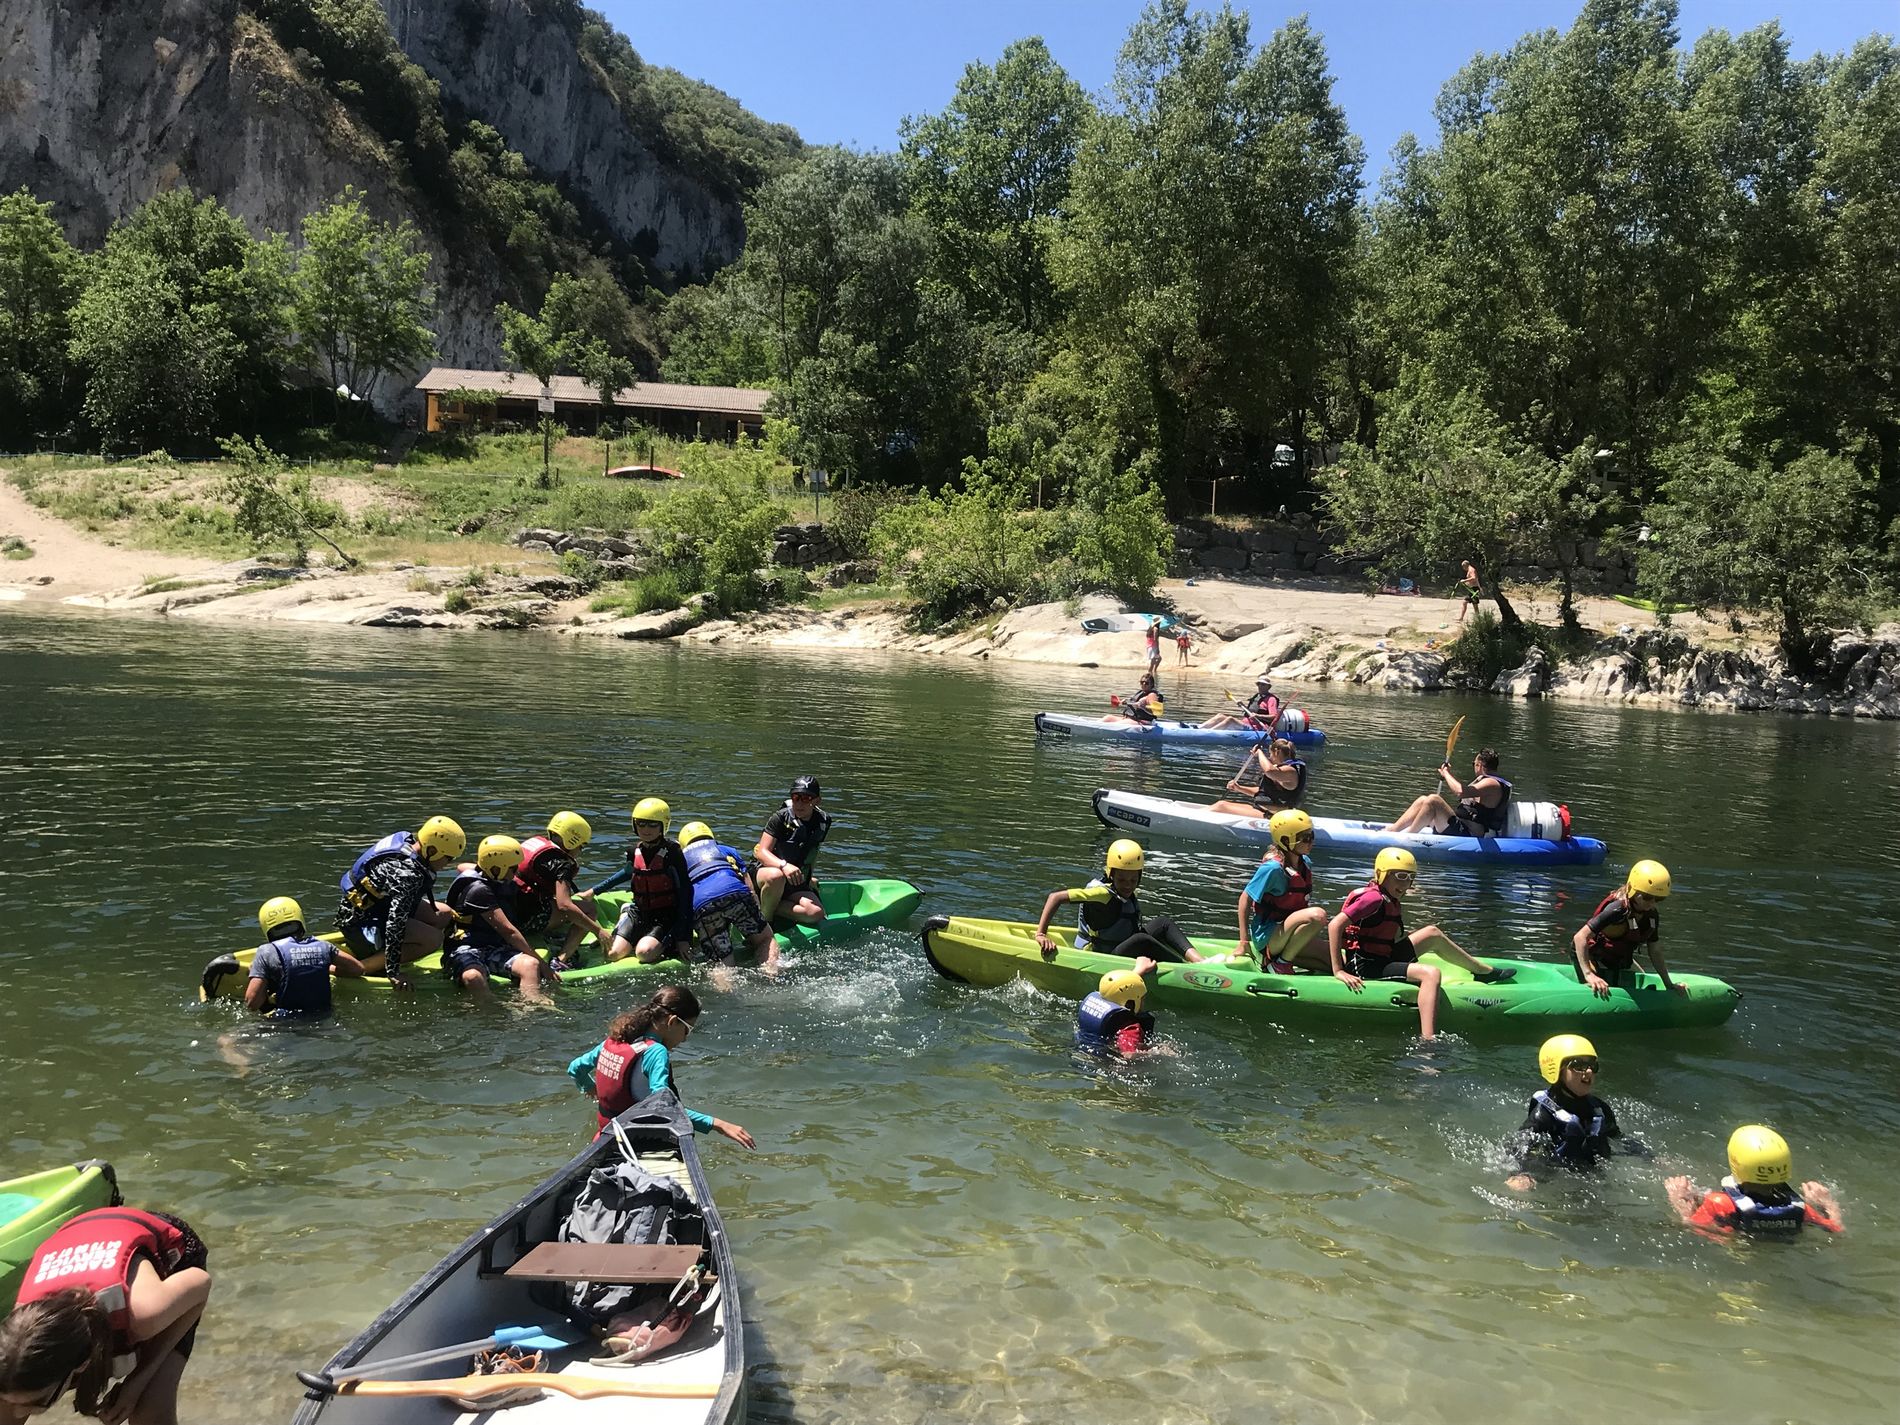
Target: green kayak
[
  {"x": 850, "y": 906},
  {"x": 34, "y": 1207},
  {"x": 1542, "y": 998}
]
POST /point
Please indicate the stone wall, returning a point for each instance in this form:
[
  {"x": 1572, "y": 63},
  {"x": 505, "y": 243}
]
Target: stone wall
[{"x": 803, "y": 545}]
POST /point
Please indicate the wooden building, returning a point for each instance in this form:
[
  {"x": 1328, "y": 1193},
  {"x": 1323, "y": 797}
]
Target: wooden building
[{"x": 691, "y": 412}]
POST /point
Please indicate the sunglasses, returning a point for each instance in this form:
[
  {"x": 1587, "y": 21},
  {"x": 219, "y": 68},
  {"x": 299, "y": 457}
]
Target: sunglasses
[
  {"x": 649, "y": 823},
  {"x": 689, "y": 1026},
  {"x": 1588, "y": 1064},
  {"x": 1306, "y": 836}
]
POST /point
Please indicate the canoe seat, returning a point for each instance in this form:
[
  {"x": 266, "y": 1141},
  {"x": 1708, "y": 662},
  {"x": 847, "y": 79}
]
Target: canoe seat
[{"x": 615, "y": 1262}]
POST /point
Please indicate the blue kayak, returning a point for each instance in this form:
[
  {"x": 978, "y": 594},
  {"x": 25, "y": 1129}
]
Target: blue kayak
[
  {"x": 1168, "y": 730},
  {"x": 1191, "y": 821}
]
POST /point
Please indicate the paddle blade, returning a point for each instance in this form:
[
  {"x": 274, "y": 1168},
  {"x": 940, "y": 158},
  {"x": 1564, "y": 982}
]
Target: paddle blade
[
  {"x": 1114, "y": 700},
  {"x": 539, "y": 1338},
  {"x": 1452, "y": 741}
]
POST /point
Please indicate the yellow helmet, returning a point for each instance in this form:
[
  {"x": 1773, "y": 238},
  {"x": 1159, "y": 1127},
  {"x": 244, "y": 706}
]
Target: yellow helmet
[
  {"x": 441, "y": 838},
  {"x": 1125, "y": 987},
  {"x": 1393, "y": 858},
  {"x": 1125, "y": 855},
  {"x": 1286, "y": 827},
  {"x": 1759, "y": 1155},
  {"x": 1651, "y": 878},
  {"x": 695, "y": 831},
  {"x": 1559, "y": 1050},
  {"x": 498, "y": 856},
  {"x": 571, "y": 829},
  {"x": 277, "y": 911},
  {"x": 653, "y": 809}
]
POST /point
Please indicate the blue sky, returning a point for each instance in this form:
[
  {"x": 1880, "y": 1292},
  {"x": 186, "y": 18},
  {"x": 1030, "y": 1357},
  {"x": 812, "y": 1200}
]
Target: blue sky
[{"x": 848, "y": 72}]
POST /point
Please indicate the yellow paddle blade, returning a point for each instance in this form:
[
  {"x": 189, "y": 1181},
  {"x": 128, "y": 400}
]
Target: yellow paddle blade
[{"x": 1452, "y": 741}]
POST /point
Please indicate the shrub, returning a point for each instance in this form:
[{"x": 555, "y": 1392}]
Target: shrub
[
  {"x": 421, "y": 584},
  {"x": 457, "y": 601},
  {"x": 854, "y": 512},
  {"x": 583, "y": 568},
  {"x": 958, "y": 552},
  {"x": 1485, "y": 647}
]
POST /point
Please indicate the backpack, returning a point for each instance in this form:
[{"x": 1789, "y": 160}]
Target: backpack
[{"x": 622, "y": 1202}]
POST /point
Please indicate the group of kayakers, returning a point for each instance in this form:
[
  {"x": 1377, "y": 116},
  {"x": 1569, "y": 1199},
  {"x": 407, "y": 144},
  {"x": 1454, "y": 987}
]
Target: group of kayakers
[{"x": 693, "y": 890}]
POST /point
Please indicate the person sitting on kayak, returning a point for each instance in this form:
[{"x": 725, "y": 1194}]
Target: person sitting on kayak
[
  {"x": 1481, "y": 808},
  {"x": 636, "y": 1059},
  {"x": 1565, "y": 1126},
  {"x": 657, "y": 923},
  {"x": 782, "y": 861},
  {"x": 290, "y": 971},
  {"x": 1278, "y": 921},
  {"x": 1261, "y": 711},
  {"x": 1111, "y": 1020},
  {"x": 1757, "y": 1197},
  {"x": 114, "y": 1295},
  {"x": 1367, "y": 940},
  {"x": 723, "y": 904},
  {"x": 545, "y": 882},
  {"x": 1143, "y": 705},
  {"x": 1281, "y": 782},
  {"x": 388, "y": 912},
  {"x": 1624, "y": 922},
  {"x": 487, "y": 939},
  {"x": 1109, "y": 922}
]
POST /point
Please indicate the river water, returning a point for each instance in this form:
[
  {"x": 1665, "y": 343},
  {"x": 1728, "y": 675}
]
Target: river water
[{"x": 949, "y": 1213}]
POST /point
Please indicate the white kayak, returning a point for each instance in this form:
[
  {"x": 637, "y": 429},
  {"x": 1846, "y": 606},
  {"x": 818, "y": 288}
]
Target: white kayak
[
  {"x": 1547, "y": 844},
  {"x": 1293, "y": 725}
]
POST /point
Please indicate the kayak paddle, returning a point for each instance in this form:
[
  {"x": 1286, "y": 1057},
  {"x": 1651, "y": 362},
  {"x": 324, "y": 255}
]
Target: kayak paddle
[
  {"x": 1451, "y": 742},
  {"x": 475, "y": 1387},
  {"x": 539, "y": 1338}
]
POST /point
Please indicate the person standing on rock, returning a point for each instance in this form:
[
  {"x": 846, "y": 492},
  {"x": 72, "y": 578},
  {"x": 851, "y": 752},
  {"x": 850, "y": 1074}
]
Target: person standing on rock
[
  {"x": 1154, "y": 647},
  {"x": 1482, "y": 807},
  {"x": 1472, "y": 590}
]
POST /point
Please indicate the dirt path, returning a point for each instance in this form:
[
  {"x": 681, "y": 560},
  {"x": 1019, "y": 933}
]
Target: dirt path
[{"x": 67, "y": 561}]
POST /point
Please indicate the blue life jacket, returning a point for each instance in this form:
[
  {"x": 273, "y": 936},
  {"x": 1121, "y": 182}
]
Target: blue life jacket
[
  {"x": 1781, "y": 1219},
  {"x": 303, "y": 988},
  {"x": 1581, "y": 1141},
  {"x": 355, "y": 884},
  {"x": 1098, "y": 1019},
  {"x": 714, "y": 871}
]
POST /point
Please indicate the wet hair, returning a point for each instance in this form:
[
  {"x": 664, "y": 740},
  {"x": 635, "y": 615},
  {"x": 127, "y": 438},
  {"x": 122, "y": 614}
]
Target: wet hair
[
  {"x": 1488, "y": 759},
  {"x": 45, "y": 1341},
  {"x": 673, "y": 999}
]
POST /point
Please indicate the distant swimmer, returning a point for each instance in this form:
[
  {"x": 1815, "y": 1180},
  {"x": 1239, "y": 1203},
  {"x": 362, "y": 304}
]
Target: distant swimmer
[
  {"x": 1279, "y": 922},
  {"x": 290, "y": 971},
  {"x": 781, "y": 867},
  {"x": 1566, "y": 1127},
  {"x": 1261, "y": 711},
  {"x": 1625, "y": 921},
  {"x": 109, "y": 1310},
  {"x": 487, "y": 939},
  {"x": 1367, "y": 940},
  {"x": 1479, "y": 807},
  {"x": 1280, "y": 780},
  {"x": 1757, "y": 1197},
  {"x": 1111, "y": 1019},
  {"x": 1109, "y": 919},
  {"x": 388, "y": 912}
]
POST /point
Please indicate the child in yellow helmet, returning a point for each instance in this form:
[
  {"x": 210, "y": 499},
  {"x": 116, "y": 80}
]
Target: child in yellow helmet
[
  {"x": 1367, "y": 940},
  {"x": 1625, "y": 921},
  {"x": 1110, "y": 920},
  {"x": 1565, "y": 1124},
  {"x": 1111, "y": 1020},
  {"x": 1279, "y": 922},
  {"x": 1758, "y": 1196}
]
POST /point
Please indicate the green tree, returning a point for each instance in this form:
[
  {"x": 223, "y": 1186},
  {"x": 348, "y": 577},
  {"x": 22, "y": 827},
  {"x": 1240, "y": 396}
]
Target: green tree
[
  {"x": 990, "y": 175},
  {"x": 586, "y": 327},
  {"x": 361, "y": 302},
  {"x": 268, "y": 502},
  {"x": 1212, "y": 214},
  {"x": 181, "y": 324},
  {"x": 40, "y": 275},
  {"x": 1750, "y": 534}
]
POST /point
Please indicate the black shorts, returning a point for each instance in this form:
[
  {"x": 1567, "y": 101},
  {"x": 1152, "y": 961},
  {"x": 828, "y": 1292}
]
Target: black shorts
[
  {"x": 194, "y": 1255},
  {"x": 356, "y": 936},
  {"x": 632, "y": 927},
  {"x": 1611, "y": 974},
  {"x": 1382, "y": 967},
  {"x": 489, "y": 959},
  {"x": 1458, "y": 826}
]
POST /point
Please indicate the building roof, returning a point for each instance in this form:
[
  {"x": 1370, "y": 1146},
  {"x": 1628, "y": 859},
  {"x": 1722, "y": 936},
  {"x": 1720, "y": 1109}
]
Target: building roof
[{"x": 571, "y": 390}]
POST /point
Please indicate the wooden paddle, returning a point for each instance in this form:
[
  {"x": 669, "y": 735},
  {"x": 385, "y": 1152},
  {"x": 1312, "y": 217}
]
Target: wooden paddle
[{"x": 475, "y": 1387}]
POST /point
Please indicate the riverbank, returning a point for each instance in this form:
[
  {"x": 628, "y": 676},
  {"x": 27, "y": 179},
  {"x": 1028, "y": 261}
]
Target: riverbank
[{"x": 1312, "y": 629}]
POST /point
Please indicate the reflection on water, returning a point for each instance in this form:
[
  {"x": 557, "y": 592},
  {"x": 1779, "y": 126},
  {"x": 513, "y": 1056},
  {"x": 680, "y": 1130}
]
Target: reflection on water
[{"x": 950, "y": 1212}]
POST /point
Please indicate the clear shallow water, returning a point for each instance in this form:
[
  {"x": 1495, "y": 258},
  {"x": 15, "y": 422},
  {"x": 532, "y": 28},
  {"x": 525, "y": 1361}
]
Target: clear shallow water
[{"x": 950, "y": 1213}]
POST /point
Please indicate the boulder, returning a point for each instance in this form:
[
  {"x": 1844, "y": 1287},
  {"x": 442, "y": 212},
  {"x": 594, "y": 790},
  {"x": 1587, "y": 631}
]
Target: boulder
[
  {"x": 622, "y": 569},
  {"x": 1222, "y": 556},
  {"x": 549, "y": 537},
  {"x": 618, "y": 547},
  {"x": 661, "y": 623},
  {"x": 785, "y": 553},
  {"x": 1187, "y": 536},
  {"x": 852, "y": 571},
  {"x": 536, "y": 546},
  {"x": 551, "y": 586},
  {"x": 1414, "y": 671},
  {"x": 1530, "y": 679}
]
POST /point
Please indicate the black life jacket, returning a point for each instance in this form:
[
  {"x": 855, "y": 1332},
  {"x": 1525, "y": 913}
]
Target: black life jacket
[
  {"x": 1781, "y": 1219},
  {"x": 1618, "y": 951},
  {"x": 1272, "y": 793},
  {"x": 1579, "y": 1140},
  {"x": 476, "y": 927},
  {"x": 801, "y": 841},
  {"x": 1473, "y": 812},
  {"x": 1102, "y": 925}
]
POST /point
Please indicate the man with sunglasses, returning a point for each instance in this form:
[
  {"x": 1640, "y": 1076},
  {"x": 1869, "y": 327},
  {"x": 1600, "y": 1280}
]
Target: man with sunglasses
[
  {"x": 781, "y": 862},
  {"x": 1625, "y": 921}
]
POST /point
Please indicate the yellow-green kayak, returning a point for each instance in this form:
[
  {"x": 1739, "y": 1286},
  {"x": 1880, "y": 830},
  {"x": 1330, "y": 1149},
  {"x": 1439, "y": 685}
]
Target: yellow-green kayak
[{"x": 34, "y": 1207}]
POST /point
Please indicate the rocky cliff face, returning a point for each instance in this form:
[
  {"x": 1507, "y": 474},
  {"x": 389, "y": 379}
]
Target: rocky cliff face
[{"x": 104, "y": 103}]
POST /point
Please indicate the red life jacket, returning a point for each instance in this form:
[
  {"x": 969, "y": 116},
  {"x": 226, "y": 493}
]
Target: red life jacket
[
  {"x": 1618, "y": 951},
  {"x": 619, "y": 1082},
  {"x": 655, "y": 891},
  {"x": 97, "y": 1250},
  {"x": 1299, "y": 883},
  {"x": 1374, "y": 922},
  {"x": 536, "y": 871}
]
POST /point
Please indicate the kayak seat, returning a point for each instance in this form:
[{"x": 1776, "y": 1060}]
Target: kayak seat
[
  {"x": 614, "y": 1262},
  {"x": 15, "y": 1204}
]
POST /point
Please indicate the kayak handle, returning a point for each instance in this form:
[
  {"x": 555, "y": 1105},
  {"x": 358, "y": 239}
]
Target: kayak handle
[{"x": 1259, "y": 987}]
